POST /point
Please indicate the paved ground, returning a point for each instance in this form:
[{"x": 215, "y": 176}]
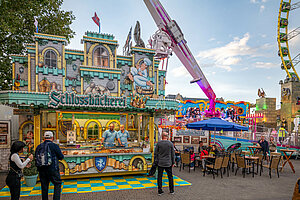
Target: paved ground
[{"x": 232, "y": 187}]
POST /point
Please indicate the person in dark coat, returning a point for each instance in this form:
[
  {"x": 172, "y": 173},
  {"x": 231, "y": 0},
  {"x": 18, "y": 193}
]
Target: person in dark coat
[
  {"x": 13, "y": 179},
  {"x": 164, "y": 154},
  {"x": 51, "y": 172}
]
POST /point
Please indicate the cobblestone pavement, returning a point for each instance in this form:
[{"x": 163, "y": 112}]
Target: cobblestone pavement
[{"x": 207, "y": 188}]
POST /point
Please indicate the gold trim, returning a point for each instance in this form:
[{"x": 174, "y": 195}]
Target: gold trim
[
  {"x": 151, "y": 134},
  {"x": 81, "y": 85},
  {"x": 133, "y": 158},
  {"x": 81, "y": 54},
  {"x": 143, "y": 48},
  {"x": 64, "y": 66},
  {"x": 42, "y": 55},
  {"x": 29, "y": 73},
  {"x": 36, "y": 82},
  {"x": 100, "y": 39},
  {"x": 84, "y": 54},
  {"x": 119, "y": 88},
  {"x": 115, "y": 57},
  {"x": 157, "y": 80},
  {"x": 59, "y": 36},
  {"x": 93, "y": 70},
  {"x": 124, "y": 59},
  {"x": 13, "y": 74},
  {"x": 86, "y": 125},
  {"x": 36, "y": 53},
  {"x": 37, "y": 131},
  {"x": 21, "y": 128},
  {"x": 111, "y": 121},
  {"x": 67, "y": 169}
]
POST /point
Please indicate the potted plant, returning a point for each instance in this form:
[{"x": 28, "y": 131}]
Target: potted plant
[{"x": 30, "y": 173}]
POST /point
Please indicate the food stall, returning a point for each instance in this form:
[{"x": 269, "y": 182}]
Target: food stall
[{"x": 77, "y": 94}]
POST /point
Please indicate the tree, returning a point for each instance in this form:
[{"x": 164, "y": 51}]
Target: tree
[{"x": 17, "y": 28}]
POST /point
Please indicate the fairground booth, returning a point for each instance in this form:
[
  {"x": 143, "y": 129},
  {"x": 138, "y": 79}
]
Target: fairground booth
[{"x": 77, "y": 95}]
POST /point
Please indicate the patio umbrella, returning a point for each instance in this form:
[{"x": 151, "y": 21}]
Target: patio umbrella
[{"x": 216, "y": 124}]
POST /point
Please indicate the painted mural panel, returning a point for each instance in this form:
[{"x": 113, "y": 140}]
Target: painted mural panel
[{"x": 241, "y": 108}]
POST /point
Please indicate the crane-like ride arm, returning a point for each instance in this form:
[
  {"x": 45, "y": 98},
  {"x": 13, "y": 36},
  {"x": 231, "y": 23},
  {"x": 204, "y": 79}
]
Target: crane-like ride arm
[{"x": 179, "y": 46}]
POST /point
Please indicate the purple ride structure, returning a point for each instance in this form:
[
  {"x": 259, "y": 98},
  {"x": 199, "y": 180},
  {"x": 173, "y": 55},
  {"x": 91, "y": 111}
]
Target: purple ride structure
[{"x": 179, "y": 46}]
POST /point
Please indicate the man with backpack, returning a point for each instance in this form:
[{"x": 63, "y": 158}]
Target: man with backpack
[{"x": 47, "y": 155}]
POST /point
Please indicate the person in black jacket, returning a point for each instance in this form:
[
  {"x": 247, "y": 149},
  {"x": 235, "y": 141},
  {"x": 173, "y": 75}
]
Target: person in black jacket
[
  {"x": 13, "y": 179},
  {"x": 164, "y": 154},
  {"x": 51, "y": 172}
]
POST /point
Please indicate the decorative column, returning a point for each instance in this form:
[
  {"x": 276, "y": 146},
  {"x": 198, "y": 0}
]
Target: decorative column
[
  {"x": 151, "y": 133},
  {"x": 37, "y": 129}
]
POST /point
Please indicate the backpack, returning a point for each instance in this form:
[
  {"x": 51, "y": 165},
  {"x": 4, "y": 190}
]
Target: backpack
[{"x": 43, "y": 155}]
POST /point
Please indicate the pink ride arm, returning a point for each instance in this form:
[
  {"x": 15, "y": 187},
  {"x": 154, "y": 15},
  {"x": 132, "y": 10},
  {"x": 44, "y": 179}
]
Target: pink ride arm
[{"x": 179, "y": 46}]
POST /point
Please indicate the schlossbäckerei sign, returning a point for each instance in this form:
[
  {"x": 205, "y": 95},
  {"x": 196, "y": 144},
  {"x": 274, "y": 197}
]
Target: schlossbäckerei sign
[{"x": 91, "y": 100}]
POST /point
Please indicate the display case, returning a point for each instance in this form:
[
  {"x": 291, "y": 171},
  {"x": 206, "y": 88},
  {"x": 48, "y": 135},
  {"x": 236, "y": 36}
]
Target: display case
[{"x": 93, "y": 159}]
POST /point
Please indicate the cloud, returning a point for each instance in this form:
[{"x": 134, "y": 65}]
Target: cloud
[
  {"x": 269, "y": 77},
  {"x": 180, "y": 71},
  {"x": 212, "y": 39},
  {"x": 266, "y": 65},
  {"x": 229, "y": 54},
  {"x": 262, "y": 8}
]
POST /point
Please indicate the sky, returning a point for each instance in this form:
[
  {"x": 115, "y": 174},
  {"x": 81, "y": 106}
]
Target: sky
[{"x": 234, "y": 42}]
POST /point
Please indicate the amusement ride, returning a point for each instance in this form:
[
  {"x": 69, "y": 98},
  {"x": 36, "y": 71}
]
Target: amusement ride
[{"x": 284, "y": 36}]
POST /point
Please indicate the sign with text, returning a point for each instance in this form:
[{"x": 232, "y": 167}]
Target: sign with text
[
  {"x": 91, "y": 100},
  {"x": 191, "y": 132}
]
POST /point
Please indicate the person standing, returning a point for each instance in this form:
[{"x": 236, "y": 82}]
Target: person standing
[
  {"x": 13, "y": 179},
  {"x": 281, "y": 134},
  {"x": 164, "y": 154},
  {"x": 123, "y": 136},
  {"x": 47, "y": 155},
  {"x": 109, "y": 136}
]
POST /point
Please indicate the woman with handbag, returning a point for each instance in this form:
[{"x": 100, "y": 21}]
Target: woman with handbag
[{"x": 13, "y": 179}]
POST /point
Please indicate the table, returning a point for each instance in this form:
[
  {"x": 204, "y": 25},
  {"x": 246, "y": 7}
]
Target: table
[
  {"x": 284, "y": 151},
  {"x": 253, "y": 159},
  {"x": 253, "y": 148}
]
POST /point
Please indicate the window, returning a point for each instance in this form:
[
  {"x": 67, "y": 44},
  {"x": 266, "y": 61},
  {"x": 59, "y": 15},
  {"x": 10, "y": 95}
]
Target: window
[
  {"x": 92, "y": 131},
  {"x": 50, "y": 58},
  {"x": 101, "y": 57}
]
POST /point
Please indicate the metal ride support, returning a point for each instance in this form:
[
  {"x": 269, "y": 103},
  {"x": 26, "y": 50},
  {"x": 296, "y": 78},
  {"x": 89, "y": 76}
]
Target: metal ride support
[
  {"x": 179, "y": 46},
  {"x": 283, "y": 37}
]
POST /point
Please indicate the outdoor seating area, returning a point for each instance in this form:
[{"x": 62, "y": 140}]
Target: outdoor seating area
[{"x": 236, "y": 162}]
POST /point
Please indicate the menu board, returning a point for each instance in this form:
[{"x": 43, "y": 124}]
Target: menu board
[{"x": 4, "y": 134}]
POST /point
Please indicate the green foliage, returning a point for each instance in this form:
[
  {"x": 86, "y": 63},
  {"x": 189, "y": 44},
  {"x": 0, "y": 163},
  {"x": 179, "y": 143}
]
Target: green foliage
[
  {"x": 32, "y": 169},
  {"x": 17, "y": 28}
]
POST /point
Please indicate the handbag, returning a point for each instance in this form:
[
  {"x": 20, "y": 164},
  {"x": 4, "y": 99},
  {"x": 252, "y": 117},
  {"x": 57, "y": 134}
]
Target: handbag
[{"x": 19, "y": 173}]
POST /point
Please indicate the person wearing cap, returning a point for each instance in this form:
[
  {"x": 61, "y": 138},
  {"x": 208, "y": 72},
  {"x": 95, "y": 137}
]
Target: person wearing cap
[
  {"x": 122, "y": 136},
  {"x": 51, "y": 172},
  {"x": 109, "y": 136},
  {"x": 139, "y": 74}
]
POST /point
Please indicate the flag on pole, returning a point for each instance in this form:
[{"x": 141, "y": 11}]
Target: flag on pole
[
  {"x": 96, "y": 20},
  {"x": 128, "y": 37},
  {"x": 36, "y": 23}
]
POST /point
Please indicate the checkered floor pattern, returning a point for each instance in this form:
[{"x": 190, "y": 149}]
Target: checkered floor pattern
[{"x": 98, "y": 185}]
